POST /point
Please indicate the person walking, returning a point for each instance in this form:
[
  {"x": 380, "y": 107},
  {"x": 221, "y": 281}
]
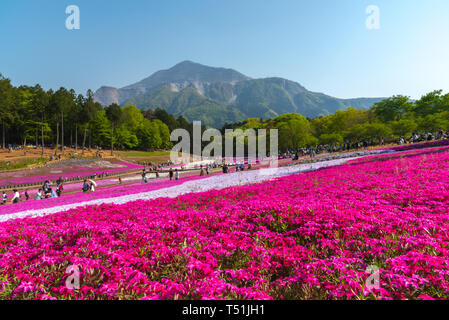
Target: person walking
[
  {"x": 16, "y": 197},
  {"x": 27, "y": 196},
  {"x": 171, "y": 174},
  {"x": 177, "y": 175},
  {"x": 4, "y": 198}
]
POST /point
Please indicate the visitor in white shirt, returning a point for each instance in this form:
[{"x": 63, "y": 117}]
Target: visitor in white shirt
[{"x": 16, "y": 197}]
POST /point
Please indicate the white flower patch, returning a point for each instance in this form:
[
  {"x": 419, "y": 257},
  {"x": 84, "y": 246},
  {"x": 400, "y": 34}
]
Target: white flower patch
[{"x": 214, "y": 182}]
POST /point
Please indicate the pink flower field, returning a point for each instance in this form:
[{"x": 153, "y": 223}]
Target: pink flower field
[
  {"x": 109, "y": 191},
  {"x": 38, "y": 176},
  {"x": 304, "y": 236}
]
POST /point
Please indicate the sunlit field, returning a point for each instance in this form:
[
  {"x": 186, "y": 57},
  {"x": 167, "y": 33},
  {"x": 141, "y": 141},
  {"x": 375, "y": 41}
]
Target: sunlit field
[{"x": 312, "y": 235}]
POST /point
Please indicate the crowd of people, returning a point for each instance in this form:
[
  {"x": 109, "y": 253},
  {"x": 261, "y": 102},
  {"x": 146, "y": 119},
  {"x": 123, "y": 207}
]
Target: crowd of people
[
  {"x": 415, "y": 138},
  {"x": 13, "y": 147},
  {"x": 46, "y": 191},
  {"x": 357, "y": 145},
  {"x": 239, "y": 166},
  {"x": 157, "y": 166}
]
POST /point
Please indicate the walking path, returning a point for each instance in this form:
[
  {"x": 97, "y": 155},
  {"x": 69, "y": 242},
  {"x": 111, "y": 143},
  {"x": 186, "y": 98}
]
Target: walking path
[{"x": 205, "y": 184}]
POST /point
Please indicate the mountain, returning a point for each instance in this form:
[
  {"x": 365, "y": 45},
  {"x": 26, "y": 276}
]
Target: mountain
[
  {"x": 217, "y": 95},
  {"x": 183, "y": 75}
]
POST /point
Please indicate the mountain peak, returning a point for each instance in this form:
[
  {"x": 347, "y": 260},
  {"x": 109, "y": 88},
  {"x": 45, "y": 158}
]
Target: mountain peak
[
  {"x": 192, "y": 71},
  {"x": 187, "y": 63},
  {"x": 184, "y": 74},
  {"x": 187, "y": 73},
  {"x": 219, "y": 95}
]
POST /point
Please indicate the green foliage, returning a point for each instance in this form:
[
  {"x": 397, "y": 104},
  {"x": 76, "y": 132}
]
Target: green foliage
[
  {"x": 375, "y": 131},
  {"x": 431, "y": 103},
  {"x": 101, "y": 129},
  {"x": 113, "y": 113},
  {"x": 393, "y": 108},
  {"x": 434, "y": 122},
  {"x": 404, "y": 127},
  {"x": 388, "y": 119},
  {"x": 218, "y": 103},
  {"x": 294, "y": 131},
  {"x": 33, "y": 115},
  {"x": 331, "y": 138},
  {"x": 125, "y": 139}
]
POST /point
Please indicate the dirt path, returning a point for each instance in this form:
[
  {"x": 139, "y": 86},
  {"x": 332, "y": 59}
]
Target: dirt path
[{"x": 207, "y": 183}]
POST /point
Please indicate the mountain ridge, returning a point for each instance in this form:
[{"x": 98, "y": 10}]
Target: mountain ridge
[{"x": 219, "y": 95}]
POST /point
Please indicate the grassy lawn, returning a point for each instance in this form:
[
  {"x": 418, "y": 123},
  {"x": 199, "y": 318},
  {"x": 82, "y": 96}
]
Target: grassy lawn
[
  {"x": 19, "y": 164},
  {"x": 154, "y": 156},
  {"x": 142, "y": 154}
]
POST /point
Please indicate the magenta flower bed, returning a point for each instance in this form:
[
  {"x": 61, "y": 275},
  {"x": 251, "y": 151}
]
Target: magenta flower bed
[
  {"x": 401, "y": 154},
  {"x": 103, "y": 193},
  {"x": 80, "y": 172},
  {"x": 308, "y": 236},
  {"x": 422, "y": 145}
]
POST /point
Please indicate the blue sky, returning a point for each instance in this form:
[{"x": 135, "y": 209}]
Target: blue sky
[{"x": 322, "y": 44}]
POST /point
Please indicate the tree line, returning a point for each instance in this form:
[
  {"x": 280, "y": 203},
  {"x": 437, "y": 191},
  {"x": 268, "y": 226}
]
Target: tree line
[
  {"x": 388, "y": 120},
  {"x": 31, "y": 115}
]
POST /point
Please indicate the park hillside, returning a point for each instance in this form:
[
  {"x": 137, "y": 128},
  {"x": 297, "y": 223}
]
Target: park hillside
[{"x": 33, "y": 116}]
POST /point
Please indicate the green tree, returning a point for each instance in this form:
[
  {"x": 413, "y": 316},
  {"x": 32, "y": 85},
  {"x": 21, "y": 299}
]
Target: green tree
[
  {"x": 101, "y": 129},
  {"x": 294, "y": 131},
  {"x": 393, "y": 108},
  {"x": 164, "y": 134},
  {"x": 114, "y": 114},
  {"x": 41, "y": 103},
  {"x": 404, "y": 127},
  {"x": 63, "y": 101},
  {"x": 87, "y": 115},
  {"x": 6, "y": 117},
  {"x": 376, "y": 131},
  {"x": 331, "y": 139},
  {"x": 434, "y": 122},
  {"x": 166, "y": 118}
]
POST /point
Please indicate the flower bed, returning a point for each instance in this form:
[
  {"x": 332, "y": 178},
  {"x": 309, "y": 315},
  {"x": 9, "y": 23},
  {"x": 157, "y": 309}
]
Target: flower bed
[
  {"x": 401, "y": 154},
  {"x": 421, "y": 145},
  {"x": 307, "y": 236},
  {"x": 107, "y": 189},
  {"x": 105, "y": 193},
  {"x": 6, "y": 179}
]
